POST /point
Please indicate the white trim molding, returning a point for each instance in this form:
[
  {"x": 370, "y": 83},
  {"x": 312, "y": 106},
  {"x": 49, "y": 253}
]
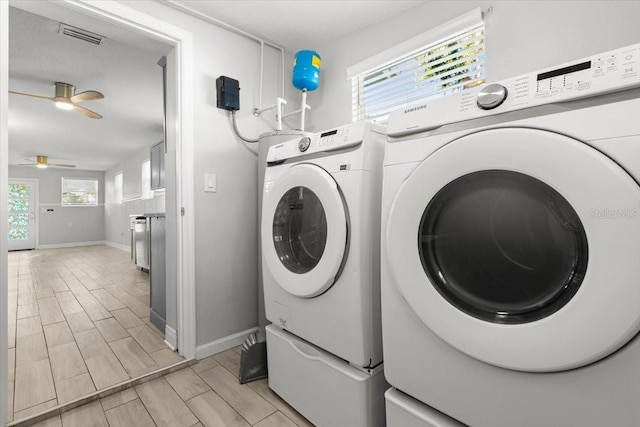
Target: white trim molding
[
  {"x": 72, "y": 244},
  {"x": 118, "y": 246},
  {"x": 223, "y": 344},
  {"x": 4, "y": 176},
  {"x": 170, "y": 337}
]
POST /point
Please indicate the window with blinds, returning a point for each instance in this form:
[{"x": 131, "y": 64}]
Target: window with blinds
[
  {"x": 79, "y": 192},
  {"x": 450, "y": 65}
]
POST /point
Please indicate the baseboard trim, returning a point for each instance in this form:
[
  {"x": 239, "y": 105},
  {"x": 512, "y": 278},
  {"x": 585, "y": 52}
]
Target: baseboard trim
[
  {"x": 71, "y": 244},
  {"x": 223, "y": 344},
  {"x": 170, "y": 337},
  {"x": 118, "y": 246}
]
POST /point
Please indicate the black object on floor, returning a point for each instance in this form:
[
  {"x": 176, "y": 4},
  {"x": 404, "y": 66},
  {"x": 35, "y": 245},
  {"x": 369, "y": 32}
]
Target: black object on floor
[{"x": 253, "y": 360}]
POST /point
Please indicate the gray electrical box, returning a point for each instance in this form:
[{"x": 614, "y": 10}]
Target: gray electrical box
[{"x": 228, "y": 92}]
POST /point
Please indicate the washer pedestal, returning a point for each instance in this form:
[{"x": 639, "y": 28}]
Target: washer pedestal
[{"x": 324, "y": 388}]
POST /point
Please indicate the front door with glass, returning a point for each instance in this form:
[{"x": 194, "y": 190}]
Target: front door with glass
[{"x": 21, "y": 215}]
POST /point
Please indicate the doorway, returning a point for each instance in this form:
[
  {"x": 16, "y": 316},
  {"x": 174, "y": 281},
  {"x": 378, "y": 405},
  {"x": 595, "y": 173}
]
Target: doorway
[{"x": 179, "y": 139}]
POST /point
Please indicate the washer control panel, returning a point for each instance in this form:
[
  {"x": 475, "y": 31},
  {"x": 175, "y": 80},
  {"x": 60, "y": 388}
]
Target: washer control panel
[
  {"x": 491, "y": 96},
  {"x": 304, "y": 143},
  {"x": 612, "y": 71},
  {"x": 334, "y": 139}
]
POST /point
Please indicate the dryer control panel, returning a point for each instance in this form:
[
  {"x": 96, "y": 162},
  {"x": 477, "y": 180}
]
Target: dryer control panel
[
  {"x": 612, "y": 71},
  {"x": 331, "y": 140}
]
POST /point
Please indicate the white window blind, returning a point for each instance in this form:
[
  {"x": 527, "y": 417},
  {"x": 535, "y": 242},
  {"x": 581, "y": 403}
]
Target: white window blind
[{"x": 453, "y": 63}]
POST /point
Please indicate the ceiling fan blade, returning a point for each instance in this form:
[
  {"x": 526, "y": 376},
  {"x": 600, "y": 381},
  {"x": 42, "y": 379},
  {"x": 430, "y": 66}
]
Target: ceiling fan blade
[
  {"x": 87, "y": 96},
  {"x": 42, "y": 161},
  {"x": 29, "y": 94},
  {"x": 60, "y": 165},
  {"x": 87, "y": 112}
]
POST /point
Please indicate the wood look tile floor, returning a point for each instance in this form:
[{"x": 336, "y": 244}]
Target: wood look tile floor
[
  {"x": 78, "y": 323},
  {"x": 204, "y": 394}
]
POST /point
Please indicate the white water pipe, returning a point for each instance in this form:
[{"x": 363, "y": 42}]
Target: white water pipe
[
  {"x": 176, "y": 4},
  {"x": 303, "y": 107}
]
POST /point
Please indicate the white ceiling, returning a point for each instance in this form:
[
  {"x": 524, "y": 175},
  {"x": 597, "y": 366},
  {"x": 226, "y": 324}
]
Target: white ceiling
[
  {"x": 297, "y": 24},
  {"x": 128, "y": 76},
  {"x": 124, "y": 68}
]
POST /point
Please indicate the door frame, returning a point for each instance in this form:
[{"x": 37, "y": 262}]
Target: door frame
[
  {"x": 181, "y": 134},
  {"x": 36, "y": 209},
  {"x": 4, "y": 175}
]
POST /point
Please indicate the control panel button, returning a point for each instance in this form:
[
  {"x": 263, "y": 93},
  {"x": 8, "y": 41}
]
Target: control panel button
[
  {"x": 304, "y": 143},
  {"x": 491, "y": 96}
]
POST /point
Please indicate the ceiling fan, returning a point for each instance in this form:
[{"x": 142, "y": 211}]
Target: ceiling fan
[
  {"x": 66, "y": 98},
  {"x": 41, "y": 162}
]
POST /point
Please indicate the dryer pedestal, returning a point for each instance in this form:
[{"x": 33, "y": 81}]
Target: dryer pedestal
[
  {"x": 324, "y": 388},
  {"x": 405, "y": 411}
]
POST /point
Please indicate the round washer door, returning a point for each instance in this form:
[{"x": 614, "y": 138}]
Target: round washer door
[
  {"x": 520, "y": 248},
  {"x": 304, "y": 230}
]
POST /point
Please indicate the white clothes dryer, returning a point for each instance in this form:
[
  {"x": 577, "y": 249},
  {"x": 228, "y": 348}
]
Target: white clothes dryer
[
  {"x": 321, "y": 260},
  {"x": 511, "y": 247}
]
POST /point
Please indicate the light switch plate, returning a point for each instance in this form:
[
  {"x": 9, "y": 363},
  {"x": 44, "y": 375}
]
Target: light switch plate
[{"x": 210, "y": 184}]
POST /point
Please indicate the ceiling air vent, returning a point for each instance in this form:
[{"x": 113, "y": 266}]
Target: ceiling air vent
[{"x": 80, "y": 34}]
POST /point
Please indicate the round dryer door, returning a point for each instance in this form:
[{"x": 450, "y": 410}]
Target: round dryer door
[
  {"x": 520, "y": 248},
  {"x": 304, "y": 230}
]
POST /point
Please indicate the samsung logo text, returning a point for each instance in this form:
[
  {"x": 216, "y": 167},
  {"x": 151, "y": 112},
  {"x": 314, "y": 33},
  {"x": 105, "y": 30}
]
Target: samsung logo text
[{"x": 417, "y": 108}]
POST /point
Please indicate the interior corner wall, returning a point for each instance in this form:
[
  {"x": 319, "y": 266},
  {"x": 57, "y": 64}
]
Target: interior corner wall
[
  {"x": 64, "y": 225},
  {"x": 521, "y": 36},
  {"x": 225, "y": 220}
]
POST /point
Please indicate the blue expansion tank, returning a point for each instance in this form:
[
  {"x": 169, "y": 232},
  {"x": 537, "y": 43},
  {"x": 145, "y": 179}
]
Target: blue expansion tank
[{"x": 306, "y": 70}]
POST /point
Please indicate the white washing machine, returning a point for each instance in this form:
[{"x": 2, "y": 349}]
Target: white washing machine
[
  {"x": 320, "y": 257},
  {"x": 511, "y": 248}
]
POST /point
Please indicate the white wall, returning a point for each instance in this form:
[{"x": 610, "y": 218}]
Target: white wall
[
  {"x": 225, "y": 221},
  {"x": 521, "y": 36},
  {"x": 65, "y": 225}
]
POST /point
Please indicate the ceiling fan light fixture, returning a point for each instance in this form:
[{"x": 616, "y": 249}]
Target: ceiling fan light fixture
[
  {"x": 41, "y": 162},
  {"x": 64, "y": 105},
  {"x": 66, "y": 98}
]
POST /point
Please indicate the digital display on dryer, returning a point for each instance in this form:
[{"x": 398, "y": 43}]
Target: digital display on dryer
[{"x": 564, "y": 70}]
